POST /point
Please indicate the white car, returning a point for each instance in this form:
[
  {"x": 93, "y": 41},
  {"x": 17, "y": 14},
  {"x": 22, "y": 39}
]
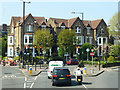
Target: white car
[{"x": 53, "y": 64}]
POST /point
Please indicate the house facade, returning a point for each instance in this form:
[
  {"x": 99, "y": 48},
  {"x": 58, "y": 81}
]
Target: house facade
[
  {"x": 15, "y": 37},
  {"x": 94, "y": 32}
]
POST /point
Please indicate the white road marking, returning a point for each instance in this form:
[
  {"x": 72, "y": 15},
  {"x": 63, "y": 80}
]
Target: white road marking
[
  {"x": 32, "y": 85},
  {"x": 84, "y": 86},
  {"x": 24, "y": 85}
]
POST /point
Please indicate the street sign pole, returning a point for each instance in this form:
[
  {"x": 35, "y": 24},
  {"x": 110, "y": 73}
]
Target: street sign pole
[
  {"x": 87, "y": 53},
  {"x": 92, "y": 54}
]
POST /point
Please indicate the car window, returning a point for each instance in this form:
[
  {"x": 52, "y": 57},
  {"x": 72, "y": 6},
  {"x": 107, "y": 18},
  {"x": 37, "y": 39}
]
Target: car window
[{"x": 60, "y": 71}]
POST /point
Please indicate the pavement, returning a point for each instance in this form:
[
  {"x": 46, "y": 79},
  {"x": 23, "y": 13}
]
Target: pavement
[{"x": 33, "y": 72}]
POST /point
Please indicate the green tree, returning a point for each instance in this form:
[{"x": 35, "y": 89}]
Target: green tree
[
  {"x": 84, "y": 47},
  {"x": 115, "y": 25},
  {"x": 66, "y": 40},
  {"x": 44, "y": 39},
  {"x": 4, "y": 46},
  {"x": 114, "y": 50}
]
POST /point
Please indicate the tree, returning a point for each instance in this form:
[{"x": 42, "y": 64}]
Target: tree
[
  {"x": 43, "y": 38},
  {"x": 84, "y": 47},
  {"x": 4, "y": 45},
  {"x": 66, "y": 39},
  {"x": 115, "y": 25},
  {"x": 114, "y": 50}
]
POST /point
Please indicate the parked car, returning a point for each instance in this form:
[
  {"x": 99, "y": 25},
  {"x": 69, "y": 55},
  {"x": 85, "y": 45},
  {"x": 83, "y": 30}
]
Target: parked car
[
  {"x": 61, "y": 75},
  {"x": 72, "y": 62},
  {"x": 13, "y": 63}
]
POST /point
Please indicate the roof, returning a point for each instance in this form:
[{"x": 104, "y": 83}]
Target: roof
[
  {"x": 67, "y": 22},
  {"x": 39, "y": 20},
  {"x": 93, "y": 23}
]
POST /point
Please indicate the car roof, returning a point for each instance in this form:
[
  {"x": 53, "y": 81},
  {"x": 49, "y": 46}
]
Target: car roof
[{"x": 60, "y": 68}]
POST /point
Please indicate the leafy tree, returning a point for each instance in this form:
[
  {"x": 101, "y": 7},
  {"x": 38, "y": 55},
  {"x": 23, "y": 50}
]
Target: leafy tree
[
  {"x": 4, "y": 45},
  {"x": 114, "y": 25},
  {"x": 44, "y": 39},
  {"x": 114, "y": 51},
  {"x": 66, "y": 38},
  {"x": 84, "y": 47}
]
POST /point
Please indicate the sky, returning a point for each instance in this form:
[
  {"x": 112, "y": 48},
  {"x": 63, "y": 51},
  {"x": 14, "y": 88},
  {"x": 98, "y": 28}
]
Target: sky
[{"x": 59, "y": 9}]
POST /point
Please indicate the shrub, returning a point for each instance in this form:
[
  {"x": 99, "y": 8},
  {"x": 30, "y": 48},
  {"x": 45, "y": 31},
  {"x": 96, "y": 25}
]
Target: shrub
[
  {"x": 111, "y": 58},
  {"x": 16, "y": 58}
]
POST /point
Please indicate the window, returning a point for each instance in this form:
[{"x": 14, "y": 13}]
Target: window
[
  {"x": 90, "y": 40},
  {"x": 30, "y": 39},
  {"x": 99, "y": 40},
  {"x": 62, "y": 27},
  {"x": 10, "y": 39},
  {"x": 78, "y": 30},
  {"x": 79, "y": 39},
  {"x": 86, "y": 40},
  {"x": 104, "y": 40},
  {"x": 30, "y": 28},
  {"x": 102, "y": 31},
  {"x": 88, "y": 30},
  {"x": 10, "y": 51},
  {"x": 25, "y": 39},
  {"x": 43, "y": 27}
]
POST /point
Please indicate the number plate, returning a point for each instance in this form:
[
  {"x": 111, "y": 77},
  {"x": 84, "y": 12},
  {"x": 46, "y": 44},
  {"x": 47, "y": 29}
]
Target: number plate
[
  {"x": 62, "y": 78},
  {"x": 79, "y": 79}
]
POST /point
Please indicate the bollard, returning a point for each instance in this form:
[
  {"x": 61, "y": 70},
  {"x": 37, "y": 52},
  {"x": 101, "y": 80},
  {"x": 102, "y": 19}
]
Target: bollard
[
  {"x": 30, "y": 70},
  {"x": 85, "y": 70}
]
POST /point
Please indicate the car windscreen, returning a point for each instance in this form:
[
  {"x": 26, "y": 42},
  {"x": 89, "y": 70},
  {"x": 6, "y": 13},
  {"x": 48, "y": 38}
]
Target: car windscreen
[{"x": 61, "y": 71}]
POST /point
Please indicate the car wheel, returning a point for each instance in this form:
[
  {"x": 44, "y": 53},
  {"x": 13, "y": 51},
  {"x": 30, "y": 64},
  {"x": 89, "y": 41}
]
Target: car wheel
[{"x": 53, "y": 84}]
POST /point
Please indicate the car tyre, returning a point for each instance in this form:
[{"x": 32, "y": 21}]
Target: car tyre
[{"x": 53, "y": 84}]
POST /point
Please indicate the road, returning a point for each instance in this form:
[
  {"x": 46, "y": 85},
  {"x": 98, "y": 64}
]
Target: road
[{"x": 12, "y": 77}]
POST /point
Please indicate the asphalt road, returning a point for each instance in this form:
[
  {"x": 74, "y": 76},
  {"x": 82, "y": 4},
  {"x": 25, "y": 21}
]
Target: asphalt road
[
  {"x": 12, "y": 77},
  {"x": 108, "y": 79}
]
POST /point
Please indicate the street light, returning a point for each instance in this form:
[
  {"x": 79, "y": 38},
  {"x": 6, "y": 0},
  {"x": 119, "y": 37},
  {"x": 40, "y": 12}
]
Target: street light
[
  {"x": 82, "y": 31},
  {"x": 23, "y": 26}
]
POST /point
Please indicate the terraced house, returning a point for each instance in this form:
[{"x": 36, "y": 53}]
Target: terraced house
[{"x": 95, "y": 32}]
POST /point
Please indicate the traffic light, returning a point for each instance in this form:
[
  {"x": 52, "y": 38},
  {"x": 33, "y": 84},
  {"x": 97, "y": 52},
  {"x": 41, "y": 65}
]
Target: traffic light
[
  {"x": 78, "y": 49},
  {"x": 36, "y": 52},
  {"x": 28, "y": 47},
  {"x": 17, "y": 49},
  {"x": 24, "y": 49},
  {"x": 40, "y": 50}
]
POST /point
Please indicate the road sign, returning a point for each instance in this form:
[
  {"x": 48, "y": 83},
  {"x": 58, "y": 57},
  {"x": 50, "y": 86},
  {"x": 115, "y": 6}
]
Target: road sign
[
  {"x": 92, "y": 54},
  {"x": 87, "y": 49}
]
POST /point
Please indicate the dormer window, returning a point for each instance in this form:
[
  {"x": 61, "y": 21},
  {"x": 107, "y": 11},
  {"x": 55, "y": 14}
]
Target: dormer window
[
  {"x": 62, "y": 27},
  {"x": 43, "y": 26},
  {"x": 29, "y": 28},
  {"x": 101, "y": 31},
  {"x": 78, "y": 30},
  {"x": 88, "y": 30}
]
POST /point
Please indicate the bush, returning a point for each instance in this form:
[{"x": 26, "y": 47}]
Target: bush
[
  {"x": 16, "y": 58},
  {"x": 111, "y": 58}
]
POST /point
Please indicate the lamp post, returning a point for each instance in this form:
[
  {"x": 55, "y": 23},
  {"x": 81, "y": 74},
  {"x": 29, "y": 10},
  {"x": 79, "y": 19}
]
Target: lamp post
[
  {"x": 32, "y": 41},
  {"x": 82, "y": 32},
  {"x": 23, "y": 26}
]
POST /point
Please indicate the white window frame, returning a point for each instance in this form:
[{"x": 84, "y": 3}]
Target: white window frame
[
  {"x": 62, "y": 27},
  {"x": 88, "y": 30},
  {"x": 9, "y": 39},
  {"x": 90, "y": 40},
  {"x": 43, "y": 26},
  {"x": 29, "y": 28},
  {"x": 78, "y": 37},
  {"x": 78, "y": 29},
  {"x": 9, "y": 51},
  {"x": 86, "y": 39},
  {"x": 27, "y": 36}
]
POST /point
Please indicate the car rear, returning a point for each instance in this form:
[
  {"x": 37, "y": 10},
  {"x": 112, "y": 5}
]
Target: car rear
[{"x": 61, "y": 76}]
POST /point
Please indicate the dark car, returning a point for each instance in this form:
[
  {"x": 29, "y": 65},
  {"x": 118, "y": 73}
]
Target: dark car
[
  {"x": 72, "y": 62},
  {"x": 61, "y": 75}
]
